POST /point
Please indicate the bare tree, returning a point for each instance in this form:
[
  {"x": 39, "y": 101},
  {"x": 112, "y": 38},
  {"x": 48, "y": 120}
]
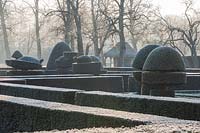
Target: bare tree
[
  {"x": 138, "y": 14},
  {"x": 37, "y": 29},
  {"x": 117, "y": 18},
  {"x": 75, "y": 11},
  {"x": 30, "y": 41},
  {"x": 102, "y": 24},
  {"x": 35, "y": 10},
  {"x": 134, "y": 15},
  {"x": 64, "y": 12},
  {"x": 95, "y": 32},
  {"x": 189, "y": 33},
  {"x": 64, "y": 8},
  {"x": 4, "y": 29},
  {"x": 121, "y": 33}
]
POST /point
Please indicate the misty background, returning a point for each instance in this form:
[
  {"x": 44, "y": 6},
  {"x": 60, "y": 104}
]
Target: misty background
[{"x": 94, "y": 26}]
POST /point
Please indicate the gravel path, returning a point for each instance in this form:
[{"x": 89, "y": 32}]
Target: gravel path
[{"x": 154, "y": 128}]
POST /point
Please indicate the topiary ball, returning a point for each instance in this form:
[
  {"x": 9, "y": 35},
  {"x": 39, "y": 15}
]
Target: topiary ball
[
  {"x": 140, "y": 59},
  {"x": 164, "y": 59},
  {"x": 142, "y": 55},
  {"x": 95, "y": 58},
  {"x": 84, "y": 59}
]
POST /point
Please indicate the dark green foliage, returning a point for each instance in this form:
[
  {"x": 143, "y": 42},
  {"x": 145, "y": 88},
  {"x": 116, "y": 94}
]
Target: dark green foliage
[
  {"x": 142, "y": 56},
  {"x": 83, "y": 59},
  {"x": 164, "y": 59},
  {"x": 57, "y": 51},
  {"x": 95, "y": 59}
]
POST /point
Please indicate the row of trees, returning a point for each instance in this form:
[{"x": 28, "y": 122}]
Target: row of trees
[{"x": 93, "y": 25}]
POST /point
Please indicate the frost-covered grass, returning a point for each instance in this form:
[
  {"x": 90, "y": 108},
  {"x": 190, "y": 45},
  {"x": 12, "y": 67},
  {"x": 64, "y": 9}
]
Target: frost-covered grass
[{"x": 154, "y": 128}]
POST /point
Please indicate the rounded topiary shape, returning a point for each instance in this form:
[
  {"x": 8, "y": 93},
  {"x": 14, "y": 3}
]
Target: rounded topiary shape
[
  {"x": 95, "y": 59},
  {"x": 142, "y": 55},
  {"x": 57, "y": 51},
  {"x": 25, "y": 63},
  {"x": 30, "y": 59},
  {"x": 164, "y": 59},
  {"x": 84, "y": 59}
]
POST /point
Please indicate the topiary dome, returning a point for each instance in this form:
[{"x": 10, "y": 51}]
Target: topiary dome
[
  {"x": 164, "y": 59},
  {"x": 83, "y": 59},
  {"x": 142, "y": 55}
]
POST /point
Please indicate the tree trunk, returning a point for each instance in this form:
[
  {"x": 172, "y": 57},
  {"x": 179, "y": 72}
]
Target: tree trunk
[
  {"x": 134, "y": 43},
  {"x": 95, "y": 33},
  {"x": 72, "y": 42},
  {"x": 37, "y": 29},
  {"x": 121, "y": 34},
  {"x": 79, "y": 32},
  {"x": 87, "y": 49},
  {"x": 67, "y": 23},
  {"x": 193, "y": 51},
  {"x": 100, "y": 52},
  {"x": 66, "y": 34},
  {"x": 77, "y": 18},
  {"x": 5, "y": 35},
  {"x": 195, "y": 60}
]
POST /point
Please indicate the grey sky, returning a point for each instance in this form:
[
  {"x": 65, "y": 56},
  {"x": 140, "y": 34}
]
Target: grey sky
[{"x": 173, "y": 7}]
